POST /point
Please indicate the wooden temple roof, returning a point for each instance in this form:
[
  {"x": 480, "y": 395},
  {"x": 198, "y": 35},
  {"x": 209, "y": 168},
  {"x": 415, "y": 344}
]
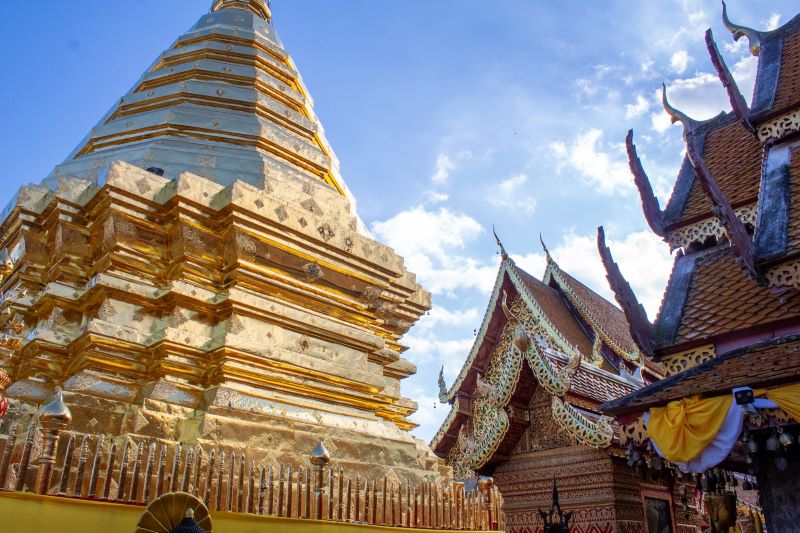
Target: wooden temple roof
[
  {"x": 556, "y": 308},
  {"x": 710, "y": 296},
  {"x": 766, "y": 364},
  {"x": 596, "y": 310},
  {"x": 733, "y": 298},
  {"x": 733, "y": 155},
  {"x": 487, "y": 418}
]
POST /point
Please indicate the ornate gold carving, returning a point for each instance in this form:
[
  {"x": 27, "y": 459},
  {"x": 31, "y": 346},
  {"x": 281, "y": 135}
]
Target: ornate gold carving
[
  {"x": 635, "y": 432},
  {"x": 554, "y": 380},
  {"x": 597, "y": 434},
  {"x": 597, "y": 354},
  {"x": 678, "y": 362},
  {"x": 778, "y": 128},
  {"x": 576, "y": 302},
  {"x": 784, "y": 275},
  {"x": 479, "y": 438},
  {"x": 699, "y": 232}
]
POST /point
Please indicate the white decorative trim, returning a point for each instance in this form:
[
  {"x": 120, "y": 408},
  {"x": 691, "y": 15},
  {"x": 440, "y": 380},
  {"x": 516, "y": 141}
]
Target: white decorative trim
[
  {"x": 784, "y": 275},
  {"x": 709, "y": 227},
  {"x": 779, "y": 127}
]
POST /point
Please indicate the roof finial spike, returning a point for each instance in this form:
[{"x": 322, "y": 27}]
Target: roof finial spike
[
  {"x": 753, "y": 36},
  {"x": 503, "y": 253},
  {"x": 689, "y": 123},
  {"x": 640, "y": 328},
  {"x": 546, "y": 251},
  {"x": 738, "y": 103},
  {"x": 257, "y": 7},
  {"x": 652, "y": 211},
  {"x": 442, "y": 387}
]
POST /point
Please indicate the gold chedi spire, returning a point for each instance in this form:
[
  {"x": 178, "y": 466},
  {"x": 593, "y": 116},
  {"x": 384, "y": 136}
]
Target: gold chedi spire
[
  {"x": 258, "y": 7},
  {"x": 205, "y": 280}
]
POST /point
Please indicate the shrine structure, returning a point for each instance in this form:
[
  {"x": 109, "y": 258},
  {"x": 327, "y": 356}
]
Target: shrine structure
[
  {"x": 193, "y": 296},
  {"x": 727, "y": 332},
  {"x": 524, "y": 409}
]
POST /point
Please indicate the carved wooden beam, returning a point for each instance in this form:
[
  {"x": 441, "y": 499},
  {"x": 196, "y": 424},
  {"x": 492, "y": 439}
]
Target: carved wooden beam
[
  {"x": 738, "y": 103},
  {"x": 652, "y": 211},
  {"x": 741, "y": 242},
  {"x": 640, "y": 327}
]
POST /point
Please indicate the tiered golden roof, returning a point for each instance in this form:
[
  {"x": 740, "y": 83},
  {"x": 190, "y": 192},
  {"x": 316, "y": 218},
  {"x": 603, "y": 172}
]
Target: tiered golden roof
[{"x": 195, "y": 271}]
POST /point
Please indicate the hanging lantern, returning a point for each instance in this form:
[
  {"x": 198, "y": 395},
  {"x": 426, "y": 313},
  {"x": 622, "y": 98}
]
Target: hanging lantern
[
  {"x": 752, "y": 445},
  {"x": 656, "y": 464},
  {"x": 785, "y": 438},
  {"x": 773, "y": 444},
  {"x": 781, "y": 463},
  {"x": 636, "y": 456}
]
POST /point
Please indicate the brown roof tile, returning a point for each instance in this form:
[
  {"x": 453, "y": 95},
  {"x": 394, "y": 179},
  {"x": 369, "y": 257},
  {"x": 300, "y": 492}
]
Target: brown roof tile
[
  {"x": 788, "y": 90},
  {"x": 597, "y": 385},
  {"x": 554, "y": 306},
  {"x": 765, "y": 365},
  {"x": 608, "y": 316},
  {"x": 734, "y": 157},
  {"x": 722, "y": 299}
]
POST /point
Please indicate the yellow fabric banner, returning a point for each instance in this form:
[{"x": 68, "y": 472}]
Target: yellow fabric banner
[
  {"x": 787, "y": 398},
  {"x": 683, "y": 428}
]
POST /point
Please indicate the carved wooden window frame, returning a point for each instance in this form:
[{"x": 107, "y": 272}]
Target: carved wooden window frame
[{"x": 657, "y": 492}]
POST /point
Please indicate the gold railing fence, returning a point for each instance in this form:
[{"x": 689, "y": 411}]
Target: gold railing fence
[{"x": 135, "y": 471}]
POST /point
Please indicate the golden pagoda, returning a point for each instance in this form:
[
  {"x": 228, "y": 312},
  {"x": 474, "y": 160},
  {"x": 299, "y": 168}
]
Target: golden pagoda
[{"x": 195, "y": 272}]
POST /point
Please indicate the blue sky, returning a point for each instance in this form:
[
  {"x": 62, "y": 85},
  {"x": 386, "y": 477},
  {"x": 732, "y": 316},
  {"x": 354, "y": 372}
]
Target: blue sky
[{"x": 448, "y": 116}]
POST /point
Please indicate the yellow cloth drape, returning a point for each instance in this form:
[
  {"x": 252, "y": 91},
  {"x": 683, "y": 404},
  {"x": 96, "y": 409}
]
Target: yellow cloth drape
[
  {"x": 787, "y": 398},
  {"x": 683, "y": 428}
]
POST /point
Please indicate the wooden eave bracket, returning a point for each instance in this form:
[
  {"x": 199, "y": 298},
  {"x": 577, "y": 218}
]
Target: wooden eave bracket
[{"x": 722, "y": 209}]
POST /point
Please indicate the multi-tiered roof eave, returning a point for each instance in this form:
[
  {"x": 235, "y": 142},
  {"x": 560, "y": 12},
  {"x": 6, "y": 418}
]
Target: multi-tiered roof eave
[
  {"x": 733, "y": 292},
  {"x": 567, "y": 356}
]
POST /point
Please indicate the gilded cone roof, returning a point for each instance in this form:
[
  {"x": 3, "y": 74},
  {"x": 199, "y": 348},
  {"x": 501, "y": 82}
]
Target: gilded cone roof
[{"x": 224, "y": 102}]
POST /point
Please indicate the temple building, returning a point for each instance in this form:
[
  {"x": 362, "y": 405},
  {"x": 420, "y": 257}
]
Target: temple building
[
  {"x": 195, "y": 273},
  {"x": 728, "y": 331},
  {"x": 524, "y": 409}
]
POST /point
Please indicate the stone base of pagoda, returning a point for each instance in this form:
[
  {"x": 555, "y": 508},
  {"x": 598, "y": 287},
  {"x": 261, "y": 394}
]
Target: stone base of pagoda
[{"x": 264, "y": 430}]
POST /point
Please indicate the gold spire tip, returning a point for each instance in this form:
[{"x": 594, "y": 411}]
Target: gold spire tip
[{"x": 257, "y": 7}]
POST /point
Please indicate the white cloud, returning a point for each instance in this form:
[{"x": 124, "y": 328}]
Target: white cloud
[
  {"x": 637, "y": 109},
  {"x": 744, "y": 72},
  {"x": 701, "y": 97},
  {"x": 432, "y": 243},
  {"x": 435, "y": 197},
  {"x": 773, "y": 21},
  {"x": 643, "y": 257},
  {"x": 430, "y": 413},
  {"x": 513, "y": 183},
  {"x": 506, "y": 194},
  {"x": 607, "y": 171},
  {"x": 427, "y": 348},
  {"x": 444, "y": 165},
  {"x": 680, "y": 61}
]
